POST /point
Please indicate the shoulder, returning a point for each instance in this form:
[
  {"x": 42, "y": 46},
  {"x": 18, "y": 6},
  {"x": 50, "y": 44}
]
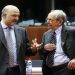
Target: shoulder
[
  {"x": 20, "y": 28},
  {"x": 70, "y": 28},
  {"x": 47, "y": 33}
]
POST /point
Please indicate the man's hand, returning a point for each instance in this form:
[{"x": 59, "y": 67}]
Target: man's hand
[
  {"x": 34, "y": 44},
  {"x": 33, "y": 47},
  {"x": 34, "y": 41},
  {"x": 71, "y": 65},
  {"x": 50, "y": 47}
]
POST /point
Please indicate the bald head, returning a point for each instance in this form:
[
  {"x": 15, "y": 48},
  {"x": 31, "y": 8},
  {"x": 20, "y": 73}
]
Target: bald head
[
  {"x": 10, "y": 15},
  {"x": 9, "y": 8}
]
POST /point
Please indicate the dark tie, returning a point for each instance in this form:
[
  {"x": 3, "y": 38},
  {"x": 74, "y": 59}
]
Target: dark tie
[
  {"x": 50, "y": 56},
  {"x": 10, "y": 47}
]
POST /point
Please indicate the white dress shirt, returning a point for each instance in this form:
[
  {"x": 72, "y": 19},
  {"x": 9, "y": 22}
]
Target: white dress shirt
[
  {"x": 59, "y": 57},
  {"x": 13, "y": 40}
]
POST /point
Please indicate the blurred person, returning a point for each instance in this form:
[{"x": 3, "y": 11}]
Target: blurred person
[
  {"x": 58, "y": 56},
  {"x": 15, "y": 47}
]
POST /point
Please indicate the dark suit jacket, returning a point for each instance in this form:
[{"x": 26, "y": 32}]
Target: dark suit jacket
[
  {"x": 67, "y": 42},
  {"x": 23, "y": 48}
]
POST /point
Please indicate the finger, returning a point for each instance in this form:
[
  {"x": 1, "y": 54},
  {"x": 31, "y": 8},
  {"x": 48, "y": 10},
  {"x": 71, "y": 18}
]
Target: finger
[{"x": 70, "y": 65}]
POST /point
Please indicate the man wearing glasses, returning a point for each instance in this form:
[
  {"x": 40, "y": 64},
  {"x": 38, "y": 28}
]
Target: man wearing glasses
[{"x": 58, "y": 46}]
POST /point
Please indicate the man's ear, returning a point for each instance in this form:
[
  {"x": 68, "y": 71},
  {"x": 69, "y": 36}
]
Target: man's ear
[
  {"x": 3, "y": 15},
  {"x": 61, "y": 21}
]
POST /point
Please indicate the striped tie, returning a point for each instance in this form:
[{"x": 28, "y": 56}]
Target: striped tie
[
  {"x": 50, "y": 56},
  {"x": 10, "y": 47}
]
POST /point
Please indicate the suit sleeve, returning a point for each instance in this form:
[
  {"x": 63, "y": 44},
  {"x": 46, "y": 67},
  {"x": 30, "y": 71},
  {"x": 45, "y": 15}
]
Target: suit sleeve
[{"x": 26, "y": 44}]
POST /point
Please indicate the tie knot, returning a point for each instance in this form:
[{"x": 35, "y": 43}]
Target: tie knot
[{"x": 8, "y": 28}]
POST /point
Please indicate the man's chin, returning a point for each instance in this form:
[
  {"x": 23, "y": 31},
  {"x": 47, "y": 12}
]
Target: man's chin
[{"x": 13, "y": 23}]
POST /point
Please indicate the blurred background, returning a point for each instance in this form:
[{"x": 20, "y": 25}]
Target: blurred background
[{"x": 37, "y": 10}]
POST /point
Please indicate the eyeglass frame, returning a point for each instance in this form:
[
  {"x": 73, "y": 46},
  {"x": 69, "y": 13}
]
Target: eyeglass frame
[{"x": 50, "y": 20}]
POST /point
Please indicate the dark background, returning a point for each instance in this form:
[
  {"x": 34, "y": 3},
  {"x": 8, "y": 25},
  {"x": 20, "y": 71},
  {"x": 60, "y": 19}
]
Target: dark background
[{"x": 39, "y": 8}]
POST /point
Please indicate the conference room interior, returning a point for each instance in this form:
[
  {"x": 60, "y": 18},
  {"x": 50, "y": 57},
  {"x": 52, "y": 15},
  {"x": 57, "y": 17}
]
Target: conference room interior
[{"x": 38, "y": 10}]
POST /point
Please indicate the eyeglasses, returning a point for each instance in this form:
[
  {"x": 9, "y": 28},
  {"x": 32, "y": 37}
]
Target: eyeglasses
[{"x": 49, "y": 20}]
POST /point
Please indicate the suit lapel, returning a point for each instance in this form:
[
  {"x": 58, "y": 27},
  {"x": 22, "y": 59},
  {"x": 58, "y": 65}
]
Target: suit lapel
[
  {"x": 63, "y": 36},
  {"x": 18, "y": 37},
  {"x": 2, "y": 37}
]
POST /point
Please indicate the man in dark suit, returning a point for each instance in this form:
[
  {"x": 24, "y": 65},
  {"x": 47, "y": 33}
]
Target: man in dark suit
[
  {"x": 63, "y": 51},
  {"x": 12, "y": 60}
]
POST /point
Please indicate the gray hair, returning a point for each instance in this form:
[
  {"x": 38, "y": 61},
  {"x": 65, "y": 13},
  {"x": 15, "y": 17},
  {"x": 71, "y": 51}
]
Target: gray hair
[
  {"x": 7, "y": 8},
  {"x": 59, "y": 14}
]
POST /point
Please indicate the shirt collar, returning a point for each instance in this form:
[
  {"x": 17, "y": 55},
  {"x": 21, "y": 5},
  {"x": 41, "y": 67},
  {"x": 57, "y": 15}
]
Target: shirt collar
[{"x": 58, "y": 30}]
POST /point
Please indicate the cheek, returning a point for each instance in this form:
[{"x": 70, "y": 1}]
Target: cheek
[{"x": 8, "y": 18}]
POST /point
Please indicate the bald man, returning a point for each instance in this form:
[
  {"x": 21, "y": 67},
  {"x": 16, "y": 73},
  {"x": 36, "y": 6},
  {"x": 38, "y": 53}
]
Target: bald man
[{"x": 12, "y": 60}]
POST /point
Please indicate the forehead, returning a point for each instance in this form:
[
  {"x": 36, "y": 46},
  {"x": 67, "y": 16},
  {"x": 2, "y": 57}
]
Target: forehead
[
  {"x": 51, "y": 16},
  {"x": 13, "y": 13},
  {"x": 13, "y": 10}
]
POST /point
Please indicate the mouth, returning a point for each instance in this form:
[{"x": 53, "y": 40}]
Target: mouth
[{"x": 49, "y": 25}]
